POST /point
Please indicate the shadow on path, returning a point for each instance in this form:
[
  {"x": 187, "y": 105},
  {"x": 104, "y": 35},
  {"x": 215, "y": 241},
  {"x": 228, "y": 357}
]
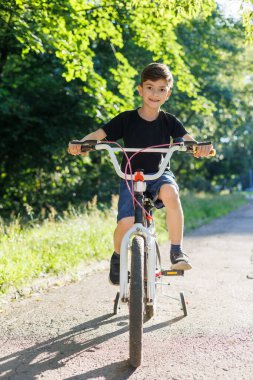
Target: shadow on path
[
  {"x": 54, "y": 353},
  {"x": 115, "y": 371},
  {"x": 27, "y": 364}
]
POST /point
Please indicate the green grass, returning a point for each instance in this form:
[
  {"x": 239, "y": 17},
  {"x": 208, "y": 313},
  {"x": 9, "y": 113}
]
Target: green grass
[
  {"x": 28, "y": 252},
  {"x": 200, "y": 209},
  {"x": 53, "y": 247}
]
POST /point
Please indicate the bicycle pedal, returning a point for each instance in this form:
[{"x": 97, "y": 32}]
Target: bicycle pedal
[{"x": 174, "y": 272}]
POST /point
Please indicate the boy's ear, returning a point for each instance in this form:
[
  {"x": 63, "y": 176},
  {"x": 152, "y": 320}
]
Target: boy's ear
[
  {"x": 169, "y": 93},
  {"x": 139, "y": 88}
]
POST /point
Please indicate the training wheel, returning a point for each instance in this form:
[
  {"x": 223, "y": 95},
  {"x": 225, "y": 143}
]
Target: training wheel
[
  {"x": 116, "y": 306},
  {"x": 183, "y": 303}
]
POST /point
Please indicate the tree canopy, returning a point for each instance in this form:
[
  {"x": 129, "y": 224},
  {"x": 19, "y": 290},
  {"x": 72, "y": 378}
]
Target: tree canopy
[{"x": 67, "y": 67}]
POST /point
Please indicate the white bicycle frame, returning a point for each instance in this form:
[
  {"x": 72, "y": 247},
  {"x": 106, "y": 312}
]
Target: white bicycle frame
[{"x": 138, "y": 229}]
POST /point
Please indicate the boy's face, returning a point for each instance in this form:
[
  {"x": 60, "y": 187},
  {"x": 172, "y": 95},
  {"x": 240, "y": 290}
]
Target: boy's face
[{"x": 154, "y": 93}]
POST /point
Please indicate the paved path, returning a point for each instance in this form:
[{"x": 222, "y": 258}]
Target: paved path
[{"x": 70, "y": 333}]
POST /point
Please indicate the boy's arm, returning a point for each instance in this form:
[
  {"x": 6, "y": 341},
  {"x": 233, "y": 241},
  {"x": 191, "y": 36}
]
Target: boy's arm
[
  {"x": 202, "y": 151},
  {"x": 99, "y": 134},
  {"x": 74, "y": 149}
]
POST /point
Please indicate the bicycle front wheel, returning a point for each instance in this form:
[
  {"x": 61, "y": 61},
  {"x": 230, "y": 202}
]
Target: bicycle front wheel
[{"x": 136, "y": 302}]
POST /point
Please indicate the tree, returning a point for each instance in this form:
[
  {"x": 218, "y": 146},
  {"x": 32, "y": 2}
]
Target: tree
[
  {"x": 215, "y": 48},
  {"x": 67, "y": 67}
]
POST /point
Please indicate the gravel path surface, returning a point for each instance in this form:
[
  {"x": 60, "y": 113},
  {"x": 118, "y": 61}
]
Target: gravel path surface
[{"x": 70, "y": 333}]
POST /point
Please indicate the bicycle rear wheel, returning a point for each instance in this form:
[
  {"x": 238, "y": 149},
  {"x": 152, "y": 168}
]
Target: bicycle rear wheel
[{"x": 136, "y": 302}]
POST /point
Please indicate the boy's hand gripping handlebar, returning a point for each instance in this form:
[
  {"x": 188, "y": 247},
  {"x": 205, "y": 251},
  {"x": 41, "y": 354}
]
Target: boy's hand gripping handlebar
[{"x": 193, "y": 146}]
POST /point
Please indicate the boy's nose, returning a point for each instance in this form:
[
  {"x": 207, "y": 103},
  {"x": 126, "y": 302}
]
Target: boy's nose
[{"x": 155, "y": 92}]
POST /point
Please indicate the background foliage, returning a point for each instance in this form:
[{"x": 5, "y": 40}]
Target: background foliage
[{"x": 67, "y": 67}]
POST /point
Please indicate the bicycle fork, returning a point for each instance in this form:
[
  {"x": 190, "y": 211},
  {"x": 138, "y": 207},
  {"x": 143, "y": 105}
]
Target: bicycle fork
[{"x": 150, "y": 247}]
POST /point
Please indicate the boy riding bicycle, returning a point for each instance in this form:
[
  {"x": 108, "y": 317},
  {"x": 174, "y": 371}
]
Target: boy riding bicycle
[{"x": 140, "y": 128}]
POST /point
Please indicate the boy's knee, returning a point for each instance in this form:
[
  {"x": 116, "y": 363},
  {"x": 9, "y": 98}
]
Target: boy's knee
[
  {"x": 126, "y": 223},
  {"x": 169, "y": 193}
]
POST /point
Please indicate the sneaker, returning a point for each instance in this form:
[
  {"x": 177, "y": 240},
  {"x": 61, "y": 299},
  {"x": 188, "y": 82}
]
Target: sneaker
[
  {"x": 180, "y": 261},
  {"x": 114, "y": 270}
]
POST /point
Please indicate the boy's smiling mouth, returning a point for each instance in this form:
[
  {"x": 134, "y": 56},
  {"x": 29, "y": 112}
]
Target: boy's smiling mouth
[{"x": 153, "y": 100}]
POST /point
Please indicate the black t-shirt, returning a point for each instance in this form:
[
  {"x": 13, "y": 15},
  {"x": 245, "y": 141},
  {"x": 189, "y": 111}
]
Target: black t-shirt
[{"x": 139, "y": 133}]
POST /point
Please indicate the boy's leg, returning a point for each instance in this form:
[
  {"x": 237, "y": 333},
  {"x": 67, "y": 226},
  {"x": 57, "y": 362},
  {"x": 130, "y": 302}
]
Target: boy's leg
[
  {"x": 125, "y": 222},
  {"x": 169, "y": 195},
  {"x": 122, "y": 227}
]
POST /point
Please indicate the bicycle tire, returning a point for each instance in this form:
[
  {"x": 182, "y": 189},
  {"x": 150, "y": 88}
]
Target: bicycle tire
[{"x": 136, "y": 302}]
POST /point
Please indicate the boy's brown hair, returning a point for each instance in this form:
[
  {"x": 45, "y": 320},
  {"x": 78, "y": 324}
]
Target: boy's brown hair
[{"x": 156, "y": 71}]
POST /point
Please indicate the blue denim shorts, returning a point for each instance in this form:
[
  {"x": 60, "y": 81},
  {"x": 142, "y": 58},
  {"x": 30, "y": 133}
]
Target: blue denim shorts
[{"x": 125, "y": 204}]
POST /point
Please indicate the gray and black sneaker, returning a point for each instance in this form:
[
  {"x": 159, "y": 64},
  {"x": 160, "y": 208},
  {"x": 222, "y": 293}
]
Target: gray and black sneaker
[
  {"x": 180, "y": 261},
  {"x": 114, "y": 269}
]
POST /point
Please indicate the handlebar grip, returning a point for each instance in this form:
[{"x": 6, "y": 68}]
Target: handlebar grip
[
  {"x": 86, "y": 145},
  {"x": 204, "y": 143},
  {"x": 85, "y": 142}
]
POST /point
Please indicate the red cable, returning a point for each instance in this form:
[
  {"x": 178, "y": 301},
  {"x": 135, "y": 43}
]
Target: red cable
[{"x": 128, "y": 164}]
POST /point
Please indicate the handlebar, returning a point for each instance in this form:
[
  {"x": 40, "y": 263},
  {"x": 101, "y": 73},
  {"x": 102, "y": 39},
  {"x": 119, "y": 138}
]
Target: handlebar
[{"x": 185, "y": 146}]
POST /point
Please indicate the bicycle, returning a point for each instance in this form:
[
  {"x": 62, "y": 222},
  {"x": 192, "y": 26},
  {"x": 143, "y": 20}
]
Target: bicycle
[{"x": 139, "y": 291}]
